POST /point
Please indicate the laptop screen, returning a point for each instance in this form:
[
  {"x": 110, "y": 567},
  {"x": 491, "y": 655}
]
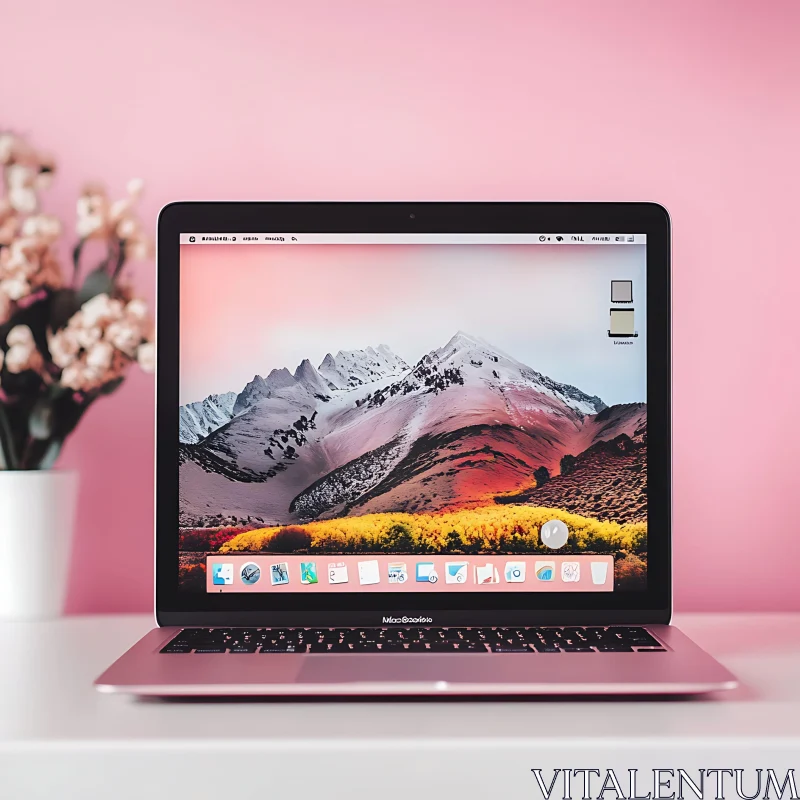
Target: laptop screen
[{"x": 413, "y": 413}]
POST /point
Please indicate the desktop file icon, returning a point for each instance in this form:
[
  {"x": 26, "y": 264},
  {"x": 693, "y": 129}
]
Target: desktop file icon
[
  {"x": 486, "y": 574},
  {"x": 222, "y": 574},
  {"x": 398, "y": 572},
  {"x": 426, "y": 572},
  {"x": 455, "y": 572},
  {"x": 308, "y": 572}
]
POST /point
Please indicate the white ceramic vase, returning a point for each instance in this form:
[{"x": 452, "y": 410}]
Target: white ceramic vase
[{"x": 37, "y": 512}]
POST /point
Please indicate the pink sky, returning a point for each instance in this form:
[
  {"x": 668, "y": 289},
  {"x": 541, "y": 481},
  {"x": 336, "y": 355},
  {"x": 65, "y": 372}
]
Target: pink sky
[{"x": 248, "y": 309}]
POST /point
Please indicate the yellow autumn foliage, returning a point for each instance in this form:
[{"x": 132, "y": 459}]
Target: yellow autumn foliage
[{"x": 513, "y": 528}]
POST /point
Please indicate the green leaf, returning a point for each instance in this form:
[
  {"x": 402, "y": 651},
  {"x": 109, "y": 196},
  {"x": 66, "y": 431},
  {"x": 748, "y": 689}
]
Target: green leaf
[
  {"x": 40, "y": 421},
  {"x": 63, "y": 305},
  {"x": 8, "y": 455},
  {"x": 51, "y": 454},
  {"x": 111, "y": 386},
  {"x": 97, "y": 282}
]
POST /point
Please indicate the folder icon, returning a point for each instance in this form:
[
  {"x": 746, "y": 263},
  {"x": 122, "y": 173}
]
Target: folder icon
[
  {"x": 621, "y": 323},
  {"x": 621, "y": 291}
]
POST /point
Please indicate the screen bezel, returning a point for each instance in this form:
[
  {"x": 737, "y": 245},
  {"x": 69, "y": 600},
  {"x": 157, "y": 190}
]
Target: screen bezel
[{"x": 653, "y": 605}]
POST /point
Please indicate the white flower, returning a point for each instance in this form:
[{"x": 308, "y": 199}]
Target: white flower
[
  {"x": 127, "y": 228},
  {"x": 79, "y": 377},
  {"x": 20, "y": 175},
  {"x": 99, "y": 356},
  {"x": 23, "y": 199},
  {"x": 92, "y": 212},
  {"x": 120, "y": 209},
  {"x": 15, "y": 288},
  {"x": 21, "y": 357},
  {"x": 125, "y": 336},
  {"x": 146, "y": 356},
  {"x": 63, "y": 347},
  {"x": 89, "y": 225},
  {"x": 83, "y": 378},
  {"x": 100, "y": 310},
  {"x": 88, "y": 337},
  {"x": 2, "y": 356},
  {"x": 21, "y": 193},
  {"x": 140, "y": 249},
  {"x": 43, "y": 226},
  {"x": 20, "y": 334},
  {"x": 18, "y": 256},
  {"x": 136, "y": 309}
]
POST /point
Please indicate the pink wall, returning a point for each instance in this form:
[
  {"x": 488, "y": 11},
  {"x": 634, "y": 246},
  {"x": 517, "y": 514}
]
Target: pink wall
[{"x": 692, "y": 104}]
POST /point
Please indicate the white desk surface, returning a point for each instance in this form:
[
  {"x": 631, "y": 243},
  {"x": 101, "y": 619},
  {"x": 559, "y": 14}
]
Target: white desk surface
[{"x": 59, "y": 738}]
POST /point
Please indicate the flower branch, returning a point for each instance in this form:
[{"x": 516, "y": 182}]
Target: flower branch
[{"x": 62, "y": 344}]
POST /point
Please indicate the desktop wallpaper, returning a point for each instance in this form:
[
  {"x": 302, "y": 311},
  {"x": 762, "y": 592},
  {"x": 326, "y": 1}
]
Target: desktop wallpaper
[{"x": 410, "y": 399}]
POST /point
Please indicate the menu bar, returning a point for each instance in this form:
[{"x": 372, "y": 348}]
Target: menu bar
[{"x": 548, "y": 238}]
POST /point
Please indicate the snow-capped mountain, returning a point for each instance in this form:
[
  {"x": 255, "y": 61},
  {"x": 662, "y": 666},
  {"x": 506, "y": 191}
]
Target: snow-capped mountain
[
  {"x": 307, "y": 376},
  {"x": 366, "y": 433},
  {"x": 352, "y": 368},
  {"x": 276, "y": 384},
  {"x": 463, "y": 350},
  {"x": 473, "y": 358},
  {"x": 197, "y": 420},
  {"x": 254, "y": 391}
]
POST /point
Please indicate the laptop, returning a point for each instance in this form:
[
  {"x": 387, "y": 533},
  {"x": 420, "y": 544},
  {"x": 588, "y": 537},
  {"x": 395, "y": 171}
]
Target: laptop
[{"x": 413, "y": 449}]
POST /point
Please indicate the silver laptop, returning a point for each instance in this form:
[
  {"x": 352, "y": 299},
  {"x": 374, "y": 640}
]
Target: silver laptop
[{"x": 413, "y": 449}]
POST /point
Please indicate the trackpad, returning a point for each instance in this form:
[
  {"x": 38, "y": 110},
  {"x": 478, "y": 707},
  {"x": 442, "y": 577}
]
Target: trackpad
[{"x": 378, "y": 668}]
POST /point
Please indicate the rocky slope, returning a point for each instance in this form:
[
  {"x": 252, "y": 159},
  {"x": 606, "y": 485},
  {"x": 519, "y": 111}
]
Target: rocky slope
[{"x": 365, "y": 433}]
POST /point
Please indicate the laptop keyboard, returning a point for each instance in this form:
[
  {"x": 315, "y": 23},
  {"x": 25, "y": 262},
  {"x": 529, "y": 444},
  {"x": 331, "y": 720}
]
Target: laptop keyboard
[{"x": 615, "y": 639}]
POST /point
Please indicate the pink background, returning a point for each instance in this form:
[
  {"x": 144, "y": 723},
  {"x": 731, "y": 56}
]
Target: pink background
[{"x": 691, "y": 104}]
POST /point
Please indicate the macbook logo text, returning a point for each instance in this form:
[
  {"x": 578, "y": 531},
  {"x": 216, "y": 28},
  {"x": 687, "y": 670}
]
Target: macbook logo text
[{"x": 407, "y": 620}]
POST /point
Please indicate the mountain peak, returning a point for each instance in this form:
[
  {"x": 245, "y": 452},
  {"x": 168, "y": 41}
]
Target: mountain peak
[
  {"x": 306, "y": 375},
  {"x": 461, "y": 341},
  {"x": 198, "y": 420},
  {"x": 463, "y": 338},
  {"x": 252, "y": 392},
  {"x": 304, "y": 366},
  {"x": 351, "y": 368},
  {"x": 279, "y": 379}
]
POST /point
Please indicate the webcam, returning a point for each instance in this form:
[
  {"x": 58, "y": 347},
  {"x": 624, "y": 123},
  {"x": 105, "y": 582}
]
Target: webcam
[{"x": 412, "y": 216}]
